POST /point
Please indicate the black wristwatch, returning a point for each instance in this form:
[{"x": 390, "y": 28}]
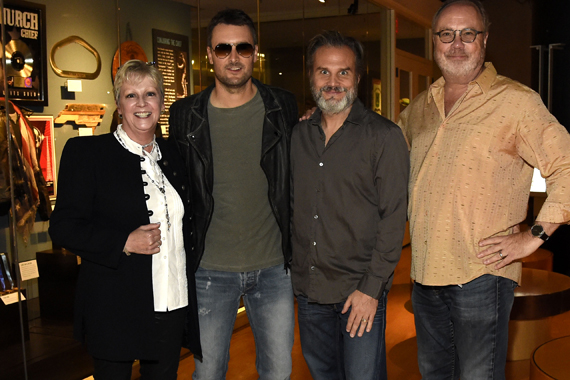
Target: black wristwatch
[{"x": 538, "y": 231}]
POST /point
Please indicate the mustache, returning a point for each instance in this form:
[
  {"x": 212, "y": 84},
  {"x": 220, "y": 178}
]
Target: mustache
[
  {"x": 234, "y": 65},
  {"x": 333, "y": 88},
  {"x": 455, "y": 51}
]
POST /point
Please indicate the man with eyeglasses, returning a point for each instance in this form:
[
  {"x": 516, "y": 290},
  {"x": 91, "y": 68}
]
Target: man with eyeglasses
[
  {"x": 235, "y": 139},
  {"x": 475, "y": 137}
]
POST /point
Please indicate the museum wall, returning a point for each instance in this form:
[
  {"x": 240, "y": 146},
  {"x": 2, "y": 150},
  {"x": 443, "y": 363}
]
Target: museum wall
[{"x": 96, "y": 23}]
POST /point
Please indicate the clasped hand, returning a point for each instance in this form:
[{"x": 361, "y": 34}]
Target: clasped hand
[{"x": 145, "y": 240}]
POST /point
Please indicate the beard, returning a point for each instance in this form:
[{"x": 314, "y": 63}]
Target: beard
[
  {"x": 461, "y": 68},
  {"x": 333, "y": 106},
  {"x": 233, "y": 82}
]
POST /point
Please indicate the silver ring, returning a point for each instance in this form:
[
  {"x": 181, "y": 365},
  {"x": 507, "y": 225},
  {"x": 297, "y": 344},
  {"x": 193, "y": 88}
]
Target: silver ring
[
  {"x": 363, "y": 320},
  {"x": 501, "y": 254}
]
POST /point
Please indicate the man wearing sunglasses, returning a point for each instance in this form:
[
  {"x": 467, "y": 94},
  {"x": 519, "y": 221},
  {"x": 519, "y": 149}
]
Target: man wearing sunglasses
[
  {"x": 235, "y": 138},
  {"x": 475, "y": 137}
]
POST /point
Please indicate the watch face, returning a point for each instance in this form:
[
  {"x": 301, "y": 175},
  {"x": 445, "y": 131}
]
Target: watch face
[{"x": 537, "y": 230}]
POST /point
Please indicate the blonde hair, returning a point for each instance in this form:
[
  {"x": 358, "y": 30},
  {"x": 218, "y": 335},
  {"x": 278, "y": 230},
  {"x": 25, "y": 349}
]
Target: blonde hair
[{"x": 136, "y": 71}]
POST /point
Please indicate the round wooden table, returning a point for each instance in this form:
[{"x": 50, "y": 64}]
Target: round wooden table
[
  {"x": 550, "y": 361},
  {"x": 539, "y": 259},
  {"x": 543, "y": 294}
]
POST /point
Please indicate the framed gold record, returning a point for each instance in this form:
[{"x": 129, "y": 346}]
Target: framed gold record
[
  {"x": 24, "y": 49},
  {"x": 19, "y": 60}
]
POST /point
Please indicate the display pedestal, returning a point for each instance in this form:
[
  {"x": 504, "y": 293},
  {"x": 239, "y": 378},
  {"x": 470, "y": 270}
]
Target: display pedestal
[
  {"x": 58, "y": 277},
  {"x": 10, "y": 323}
]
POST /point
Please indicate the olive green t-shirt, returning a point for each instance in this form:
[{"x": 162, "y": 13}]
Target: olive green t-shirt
[{"x": 243, "y": 234}]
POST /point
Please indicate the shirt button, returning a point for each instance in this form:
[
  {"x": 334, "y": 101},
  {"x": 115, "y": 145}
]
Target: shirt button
[
  {"x": 163, "y": 238},
  {"x": 321, "y": 164},
  {"x": 316, "y": 217},
  {"x": 314, "y": 243},
  {"x": 164, "y": 257},
  {"x": 312, "y": 267}
]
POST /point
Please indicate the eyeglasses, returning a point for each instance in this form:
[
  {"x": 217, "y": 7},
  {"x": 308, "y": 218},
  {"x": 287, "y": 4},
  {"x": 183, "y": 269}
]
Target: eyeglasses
[
  {"x": 467, "y": 35},
  {"x": 244, "y": 49}
]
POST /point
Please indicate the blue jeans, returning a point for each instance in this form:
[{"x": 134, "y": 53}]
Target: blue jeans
[
  {"x": 463, "y": 331},
  {"x": 331, "y": 353},
  {"x": 268, "y": 299}
]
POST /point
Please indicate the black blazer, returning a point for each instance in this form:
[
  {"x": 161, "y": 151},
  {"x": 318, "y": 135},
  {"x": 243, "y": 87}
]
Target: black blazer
[{"x": 100, "y": 202}]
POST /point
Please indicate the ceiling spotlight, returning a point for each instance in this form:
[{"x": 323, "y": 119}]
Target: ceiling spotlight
[{"x": 322, "y": 1}]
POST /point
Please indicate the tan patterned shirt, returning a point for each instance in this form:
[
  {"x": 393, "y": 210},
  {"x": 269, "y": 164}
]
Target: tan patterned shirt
[{"x": 471, "y": 172}]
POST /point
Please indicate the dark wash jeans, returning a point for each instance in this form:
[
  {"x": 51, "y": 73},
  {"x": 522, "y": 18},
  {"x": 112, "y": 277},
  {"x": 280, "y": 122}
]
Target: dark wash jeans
[
  {"x": 331, "y": 353},
  {"x": 462, "y": 332}
]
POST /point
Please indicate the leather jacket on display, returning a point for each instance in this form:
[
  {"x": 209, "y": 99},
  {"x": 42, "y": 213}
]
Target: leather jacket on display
[{"x": 191, "y": 131}]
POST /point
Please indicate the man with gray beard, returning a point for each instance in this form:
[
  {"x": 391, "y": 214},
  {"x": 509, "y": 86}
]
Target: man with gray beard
[
  {"x": 475, "y": 137},
  {"x": 349, "y": 175}
]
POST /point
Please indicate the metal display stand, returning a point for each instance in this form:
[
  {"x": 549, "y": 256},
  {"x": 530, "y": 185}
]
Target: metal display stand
[{"x": 13, "y": 241}]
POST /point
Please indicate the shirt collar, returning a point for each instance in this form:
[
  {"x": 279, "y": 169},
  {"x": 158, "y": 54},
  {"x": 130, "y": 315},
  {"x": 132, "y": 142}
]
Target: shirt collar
[
  {"x": 484, "y": 81},
  {"x": 135, "y": 147}
]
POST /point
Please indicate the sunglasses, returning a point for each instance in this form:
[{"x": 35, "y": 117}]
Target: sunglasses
[{"x": 244, "y": 49}]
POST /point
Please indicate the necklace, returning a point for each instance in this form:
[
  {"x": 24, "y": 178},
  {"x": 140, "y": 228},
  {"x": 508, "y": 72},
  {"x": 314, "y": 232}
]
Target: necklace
[
  {"x": 143, "y": 147},
  {"x": 160, "y": 186}
]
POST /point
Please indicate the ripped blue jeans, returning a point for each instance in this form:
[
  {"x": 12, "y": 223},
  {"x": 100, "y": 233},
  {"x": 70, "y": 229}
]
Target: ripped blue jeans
[{"x": 268, "y": 299}]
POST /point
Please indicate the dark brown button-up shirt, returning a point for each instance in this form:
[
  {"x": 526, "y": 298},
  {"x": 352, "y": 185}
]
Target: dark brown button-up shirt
[{"x": 349, "y": 205}]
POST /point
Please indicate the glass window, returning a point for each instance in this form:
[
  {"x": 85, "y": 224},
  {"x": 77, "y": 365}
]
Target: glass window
[
  {"x": 284, "y": 29},
  {"x": 411, "y": 37}
]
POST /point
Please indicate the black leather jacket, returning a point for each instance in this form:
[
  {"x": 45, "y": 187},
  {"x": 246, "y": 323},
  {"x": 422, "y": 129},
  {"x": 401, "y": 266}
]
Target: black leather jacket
[{"x": 191, "y": 131}]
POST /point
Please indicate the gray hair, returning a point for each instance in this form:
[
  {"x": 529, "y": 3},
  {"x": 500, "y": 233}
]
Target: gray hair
[
  {"x": 136, "y": 71},
  {"x": 474, "y": 3}
]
